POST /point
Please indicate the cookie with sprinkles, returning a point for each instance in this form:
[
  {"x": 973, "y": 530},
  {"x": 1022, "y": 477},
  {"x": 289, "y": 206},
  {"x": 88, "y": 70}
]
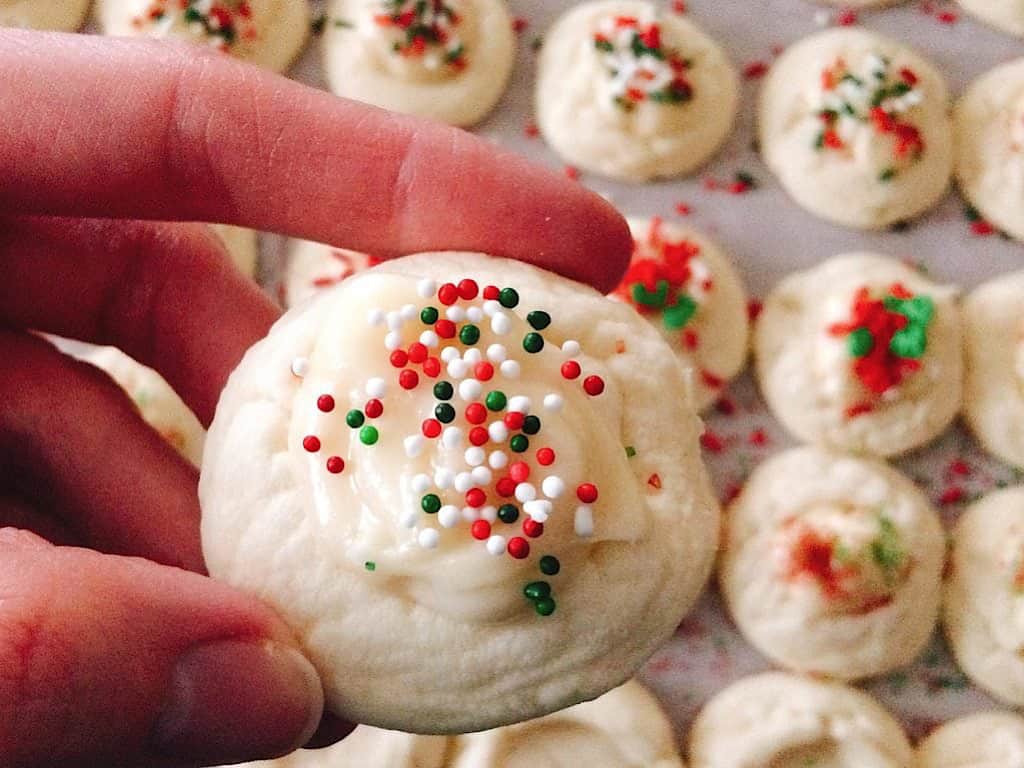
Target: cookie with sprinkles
[
  {"x": 449, "y": 60},
  {"x": 983, "y": 608},
  {"x": 985, "y": 739},
  {"x": 432, "y": 480},
  {"x": 989, "y": 128},
  {"x": 861, "y": 353},
  {"x": 59, "y": 15},
  {"x": 633, "y": 92},
  {"x": 856, "y": 128},
  {"x": 270, "y": 33},
  {"x": 787, "y": 721},
  {"x": 312, "y": 268},
  {"x": 687, "y": 287},
  {"x": 1005, "y": 15},
  {"x": 832, "y": 564}
]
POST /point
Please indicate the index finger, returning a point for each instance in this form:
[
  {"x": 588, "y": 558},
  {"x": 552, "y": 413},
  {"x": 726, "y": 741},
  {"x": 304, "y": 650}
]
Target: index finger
[{"x": 139, "y": 129}]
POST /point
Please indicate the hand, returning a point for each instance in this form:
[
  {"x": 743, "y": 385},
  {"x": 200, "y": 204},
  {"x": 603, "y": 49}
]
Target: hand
[{"x": 114, "y": 647}]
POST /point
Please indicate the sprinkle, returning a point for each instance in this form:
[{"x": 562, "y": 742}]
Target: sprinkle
[
  {"x": 429, "y": 339},
  {"x": 549, "y": 565},
  {"x": 497, "y": 459},
  {"x": 496, "y": 400},
  {"x": 490, "y": 514},
  {"x": 458, "y": 369},
  {"x": 475, "y": 497},
  {"x": 514, "y": 419},
  {"x": 480, "y": 530},
  {"x": 300, "y": 366},
  {"x": 469, "y": 335},
  {"x": 393, "y": 340},
  {"x": 553, "y": 486},
  {"x": 374, "y": 408},
  {"x": 538, "y": 320},
  {"x": 546, "y": 605},
  {"x": 519, "y": 444},
  {"x": 432, "y": 367},
  {"x": 470, "y": 389},
  {"x": 553, "y": 402},
  {"x": 497, "y": 431},
  {"x": 376, "y": 317},
  {"x": 538, "y": 509},
  {"x": 570, "y": 369},
  {"x": 496, "y": 545},
  {"x": 426, "y": 288},
  {"x": 399, "y": 358},
  {"x": 537, "y": 590},
  {"x": 431, "y": 503},
  {"x": 473, "y": 356},
  {"x": 505, "y": 487},
  {"x": 586, "y": 492},
  {"x": 482, "y": 475},
  {"x": 448, "y": 294},
  {"x": 468, "y": 289},
  {"x": 443, "y": 478},
  {"x": 449, "y": 516},
  {"x": 630, "y": 451},
  {"x": 712, "y": 442},
  {"x": 519, "y": 471},
  {"x": 497, "y": 353},
  {"x": 408, "y": 312},
  {"x": 492, "y": 307},
  {"x": 455, "y": 313},
  {"x": 533, "y": 343},
  {"x": 518, "y": 547},
  {"x": 449, "y": 353},
  {"x": 483, "y": 371},
  {"x": 474, "y": 314},
  {"x": 420, "y": 483},
  {"x": 414, "y": 445},
  {"x": 311, "y": 443},
  {"x": 545, "y": 457},
  {"x": 654, "y": 481},
  {"x": 501, "y": 323},
  {"x": 370, "y": 566},
  {"x": 368, "y": 435},
  {"x": 335, "y": 465},
  {"x": 508, "y": 298},
  {"x": 533, "y": 528},
  {"x": 583, "y": 522},
  {"x": 755, "y": 70},
  {"x": 510, "y": 369},
  {"x": 428, "y": 538},
  {"x": 451, "y": 437},
  {"x": 525, "y": 492},
  {"x": 479, "y": 436},
  {"x": 593, "y": 385},
  {"x": 508, "y": 513},
  {"x": 408, "y": 379},
  {"x": 519, "y": 404},
  {"x": 355, "y": 418},
  {"x": 571, "y": 348},
  {"x": 445, "y": 329},
  {"x": 476, "y": 413},
  {"x": 846, "y": 18},
  {"x": 445, "y": 413},
  {"x": 531, "y": 425},
  {"x": 410, "y": 518},
  {"x": 443, "y": 390},
  {"x": 376, "y": 387}
]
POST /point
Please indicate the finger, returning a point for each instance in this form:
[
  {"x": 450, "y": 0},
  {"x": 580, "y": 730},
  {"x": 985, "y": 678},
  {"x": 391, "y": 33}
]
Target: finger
[
  {"x": 172, "y": 134},
  {"x": 75, "y": 444},
  {"x": 116, "y": 661},
  {"x": 164, "y": 293}
]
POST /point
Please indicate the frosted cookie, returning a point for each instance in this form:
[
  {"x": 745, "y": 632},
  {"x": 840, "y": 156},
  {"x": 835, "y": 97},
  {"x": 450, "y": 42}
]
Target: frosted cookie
[
  {"x": 449, "y": 60},
  {"x": 787, "y": 721},
  {"x": 312, "y": 268},
  {"x": 984, "y": 740},
  {"x": 989, "y": 123},
  {"x": 270, "y": 33},
  {"x": 861, "y": 353},
  {"x": 856, "y": 128},
  {"x": 832, "y": 564},
  {"x": 1005, "y": 15},
  {"x": 634, "y": 93},
  {"x": 994, "y": 379},
  {"x": 452, "y": 454},
  {"x": 59, "y": 15},
  {"x": 687, "y": 287},
  {"x": 242, "y": 245},
  {"x": 984, "y": 599}
]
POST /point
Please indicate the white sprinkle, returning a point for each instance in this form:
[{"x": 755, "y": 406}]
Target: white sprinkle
[
  {"x": 501, "y": 324},
  {"x": 376, "y": 317},
  {"x": 510, "y": 369},
  {"x": 392, "y": 341},
  {"x": 525, "y": 492},
  {"x": 470, "y": 514},
  {"x": 409, "y": 312},
  {"x": 463, "y": 482},
  {"x": 426, "y": 288},
  {"x": 455, "y": 313},
  {"x": 451, "y": 437},
  {"x": 481, "y": 475},
  {"x": 458, "y": 369},
  {"x": 553, "y": 486},
  {"x": 449, "y": 353},
  {"x": 498, "y": 459},
  {"x": 497, "y": 353},
  {"x": 300, "y": 366},
  {"x": 409, "y": 518},
  {"x": 584, "y": 522},
  {"x": 470, "y": 389},
  {"x": 429, "y": 339},
  {"x": 519, "y": 404},
  {"x": 376, "y": 387},
  {"x": 473, "y": 356},
  {"x": 553, "y": 402},
  {"x": 496, "y": 545},
  {"x": 571, "y": 348},
  {"x": 413, "y": 445},
  {"x": 492, "y": 307},
  {"x": 489, "y": 513},
  {"x": 428, "y": 538},
  {"x": 538, "y": 510},
  {"x": 475, "y": 456},
  {"x": 395, "y": 321},
  {"x": 474, "y": 314},
  {"x": 497, "y": 431},
  {"x": 448, "y": 516},
  {"x": 420, "y": 483},
  {"x": 443, "y": 478}
]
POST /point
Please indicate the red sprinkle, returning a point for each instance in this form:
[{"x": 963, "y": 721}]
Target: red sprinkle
[
  {"x": 586, "y": 492},
  {"x": 311, "y": 443},
  {"x": 545, "y": 457},
  {"x": 755, "y": 70},
  {"x": 418, "y": 352},
  {"x": 483, "y": 371},
  {"x": 514, "y": 420},
  {"x": 593, "y": 385},
  {"x": 846, "y": 18},
  {"x": 373, "y": 408},
  {"x": 754, "y": 309},
  {"x": 445, "y": 328},
  {"x": 683, "y": 209},
  {"x": 408, "y": 379},
  {"x": 947, "y": 17},
  {"x": 712, "y": 442},
  {"x": 491, "y": 292},
  {"x": 519, "y": 24},
  {"x": 679, "y": 6},
  {"x": 519, "y": 471},
  {"x": 572, "y": 172},
  {"x": 959, "y": 467},
  {"x": 476, "y": 413},
  {"x": 506, "y": 486},
  {"x": 468, "y": 289},
  {"x": 335, "y": 465},
  {"x": 448, "y": 294},
  {"x": 952, "y": 495},
  {"x": 475, "y": 497},
  {"x": 532, "y": 528},
  {"x": 431, "y": 427},
  {"x": 982, "y": 228},
  {"x": 711, "y": 380},
  {"x": 432, "y": 367},
  {"x": 690, "y": 339},
  {"x": 571, "y": 369},
  {"x": 478, "y": 436},
  {"x": 758, "y": 437},
  {"x": 325, "y": 403},
  {"x": 481, "y": 530},
  {"x": 518, "y": 547},
  {"x": 399, "y": 358},
  {"x": 654, "y": 480}
]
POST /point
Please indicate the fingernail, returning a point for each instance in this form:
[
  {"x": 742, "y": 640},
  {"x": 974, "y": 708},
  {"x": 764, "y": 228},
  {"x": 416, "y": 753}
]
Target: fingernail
[{"x": 233, "y": 700}]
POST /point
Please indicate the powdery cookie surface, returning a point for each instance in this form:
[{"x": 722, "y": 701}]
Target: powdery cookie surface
[
  {"x": 856, "y": 128},
  {"x": 634, "y": 93},
  {"x": 312, "y": 268},
  {"x": 994, "y": 359},
  {"x": 687, "y": 287},
  {"x": 418, "y": 568},
  {"x": 984, "y": 740},
  {"x": 832, "y": 564},
  {"x": 449, "y": 60},
  {"x": 989, "y": 122},
  {"x": 787, "y": 721},
  {"x": 270, "y": 33},
  {"x": 60, "y": 15},
  {"x": 861, "y": 353},
  {"x": 1005, "y": 15},
  {"x": 984, "y": 596}
]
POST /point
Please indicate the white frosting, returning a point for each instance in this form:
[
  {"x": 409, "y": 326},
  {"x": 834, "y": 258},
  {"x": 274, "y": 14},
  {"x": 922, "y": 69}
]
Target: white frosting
[
  {"x": 832, "y": 564},
  {"x": 433, "y": 638},
  {"x": 449, "y": 61},
  {"x": 60, "y": 15},
  {"x": 808, "y": 375},
  {"x": 989, "y": 122},
  {"x": 242, "y": 245},
  {"x": 606, "y": 108},
  {"x": 312, "y": 268},
  {"x": 270, "y": 33},
  {"x": 833, "y": 154},
  {"x": 713, "y": 343},
  {"x": 984, "y": 600},
  {"x": 785, "y": 721},
  {"x": 1005, "y": 15},
  {"x": 983, "y": 740}
]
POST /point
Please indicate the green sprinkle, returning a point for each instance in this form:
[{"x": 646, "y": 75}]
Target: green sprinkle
[
  {"x": 429, "y": 315},
  {"x": 860, "y": 342},
  {"x": 533, "y": 343},
  {"x": 677, "y": 316},
  {"x": 531, "y": 425},
  {"x": 355, "y": 418},
  {"x": 495, "y": 400},
  {"x": 538, "y": 320},
  {"x": 444, "y": 390},
  {"x": 469, "y": 335},
  {"x": 604, "y": 45},
  {"x": 370, "y": 566},
  {"x": 630, "y": 451},
  {"x": 431, "y": 503},
  {"x": 508, "y": 513},
  {"x": 655, "y": 298},
  {"x": 444, "y": 413},
  {"x": 549, "y": 565},
  {"x": 519, "y": 444},
  {"x": 886, "y": 550},
  {"x": 887, "y": 174},
  {"x": 536, "y": 590},
  {"x": 508, "y": 297},
  {"x": 910, "y": 342},
  {"x": 343, "y": 24},
  {"x": 368, "y": 435},
  {"x": 537, "y": 43},
  {"x": 746, "y": 179},
  {"x": 545, "y": 606},
  {"x": 971, "y": 213},
  {"x": 819, "y": 140}
]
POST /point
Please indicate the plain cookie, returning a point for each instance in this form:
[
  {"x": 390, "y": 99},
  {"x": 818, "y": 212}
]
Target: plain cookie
[{"x": 984, "y": 740}]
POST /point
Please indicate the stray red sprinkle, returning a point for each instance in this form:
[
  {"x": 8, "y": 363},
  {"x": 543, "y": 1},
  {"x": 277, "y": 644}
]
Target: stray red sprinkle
[
  {"x": 572, "y": 172},
  {"x": 712, "y": 442},
  {"x": 959, "y": 467},
  {"x": 654, "y": 480},
  {"x": 711, "y": 380},
  {"x": 532, "y": 131},
  {"x": 483, "y": 371},
  {"x": 325, "y": 403},
  {"x": 399, "y": 358},
  {"x": 679, "y": 6},
  {"x": 952, "y": 495},
  {"x": 731, "y": 492},
  {"x": 545, "y": 457},
  {"x": 982, "y": 228},
  {"x": 847, "y": 17},
  {"x": 481, "y": 530},
  {"x": 754, "y": 309},
  {"x": 586, "y": 492},
  {"x": 725, "y": 406},
  {"x": 858, "y": 409},
  {"x": 571, "y": 369},
  {"x": 518, "y": 547},
  {"x": 519, "y": 24},
  {"x": 947, "y": 17},
  {"x": 311, "y": 443},
  {"x": 758, "y": 437},
  {"x": 683, "y": 209},
  {"x": 755, "y": 70},
  {"x": 335, "y": 465}
]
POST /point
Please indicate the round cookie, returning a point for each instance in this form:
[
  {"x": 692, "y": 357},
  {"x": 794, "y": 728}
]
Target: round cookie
[
  {"x": 989, "y": 128},
  {"x": 59, "y": 15},
  {"x": 1004, "y": 15},
  {"x": 983, "y": 740},
  {"x": 856, "y": 128},
  {"x": 787, "y": 721},
  {"x": 633, "y": 93},
  {"x": 832, "y": 564},
  {"x": 688, "y": 288},
  {"x": 449, "y": 60},
  {"x": 242, "y": 245},
  {"x": 417, "y": 507},
  {"x": 312, "y": 268},
  {"x": 270, "y": 33},
  {"x": 983, "y": 610},
  {"x": 994, "y": 366},
  {"x": 861, "y": 353}
]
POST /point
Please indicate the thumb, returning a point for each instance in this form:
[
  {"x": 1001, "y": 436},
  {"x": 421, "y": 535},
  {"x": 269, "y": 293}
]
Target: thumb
[{"x": 114, "y": 661}]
